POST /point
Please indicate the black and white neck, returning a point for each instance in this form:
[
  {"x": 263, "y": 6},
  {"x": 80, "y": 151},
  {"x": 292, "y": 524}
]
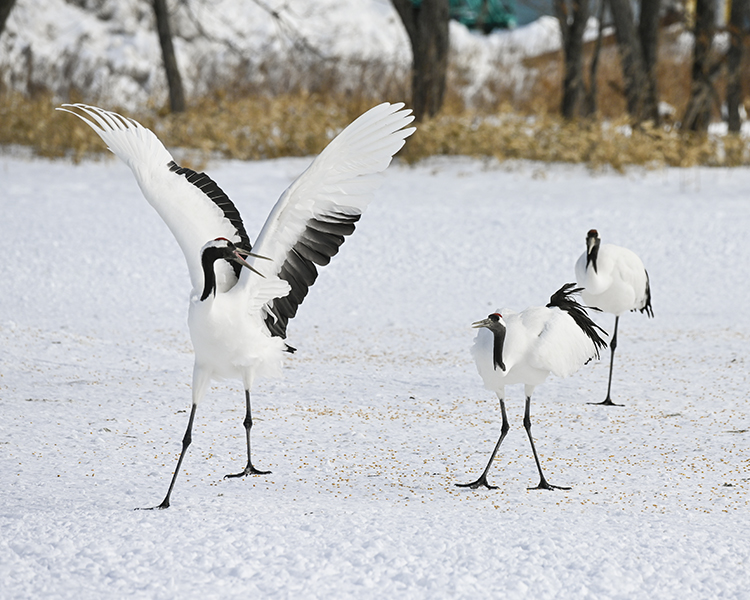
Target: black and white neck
[
  {"x": 496, "y": 325},
  {"x": 219, "y": 259},
  {"x": 592, "y": 248}
]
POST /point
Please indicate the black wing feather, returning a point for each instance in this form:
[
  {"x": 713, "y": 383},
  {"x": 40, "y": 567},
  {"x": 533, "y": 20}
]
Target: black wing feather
[
  {"x": 209, "y": 187},
  {"x": 311, "y": 254},
  {"x": 321, "y": 240}
]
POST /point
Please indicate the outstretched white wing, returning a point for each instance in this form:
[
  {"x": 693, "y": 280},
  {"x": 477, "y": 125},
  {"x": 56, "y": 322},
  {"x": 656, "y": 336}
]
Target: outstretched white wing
[
  {"x": 306, "y": 226},
  {"x": 309, "y": 222},
  {"x": 194, "y": 208}
]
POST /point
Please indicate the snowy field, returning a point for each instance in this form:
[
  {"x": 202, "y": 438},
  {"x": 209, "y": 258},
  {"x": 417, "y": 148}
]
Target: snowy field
[{"x": 381, "y": 411}]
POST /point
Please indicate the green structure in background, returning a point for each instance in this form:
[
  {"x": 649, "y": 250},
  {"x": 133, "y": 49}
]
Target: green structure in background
[{"x": 484, "y": 15}]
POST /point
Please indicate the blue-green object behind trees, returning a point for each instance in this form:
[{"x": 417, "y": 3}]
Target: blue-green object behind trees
[{"x": 484, "y": 15}]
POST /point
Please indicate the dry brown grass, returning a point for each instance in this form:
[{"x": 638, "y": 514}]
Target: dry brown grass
[
  {"x": 550, "y": 139},
  {"x": 244, "y": 128},
  {"x": 251, "y": 125}
]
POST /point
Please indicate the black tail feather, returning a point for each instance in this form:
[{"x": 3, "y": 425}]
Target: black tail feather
[
  {"x": 646, "y": 308},
  {"x": 563, "y": 299}
]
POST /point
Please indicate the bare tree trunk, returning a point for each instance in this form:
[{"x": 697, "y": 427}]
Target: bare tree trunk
[
  {"x": 5, "y": 7},
  {"x": 633, "y": 69},
  {"x": 427, "y": 28},
  {"x": 591, "y": 107},
  {"x": 737, "y": 21},
  {"x": 573, "y": 18},
  {"x": 648, "y": 32},
  {"x": 698, "y": 113},
  {"x": 174, "y": 81}
]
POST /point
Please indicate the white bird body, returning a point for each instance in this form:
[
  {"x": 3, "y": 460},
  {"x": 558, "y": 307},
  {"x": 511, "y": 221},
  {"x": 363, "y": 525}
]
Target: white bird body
[
  {"x": 538, "y": 341},
  {"x": 619, "y": 282},
  {"x": 229, "y": 337},
  {"x": 615, "y": 281},
  {"x": 525, "y": 347},
  {"x": 238, "y": 316}
]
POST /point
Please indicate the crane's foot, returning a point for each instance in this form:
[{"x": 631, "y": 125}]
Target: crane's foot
[
  {"x": 605, "y": 402},
  {"x": 162, "y": 506},
  {"x": 543, "y": 485},
  {"x": 482, "y": 481},
  {"x": 249, "y": 470}
]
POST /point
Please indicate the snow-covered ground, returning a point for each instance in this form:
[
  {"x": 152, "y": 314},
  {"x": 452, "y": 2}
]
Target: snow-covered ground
[{"x": 380, "y": 411}]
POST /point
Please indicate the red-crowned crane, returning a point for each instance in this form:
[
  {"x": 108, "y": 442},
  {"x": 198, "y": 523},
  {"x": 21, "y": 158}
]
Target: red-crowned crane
[
  {"x": 526, "y": 347},
  {"x": 238, "y": 316},
  {"x": 615, "y": 281}
]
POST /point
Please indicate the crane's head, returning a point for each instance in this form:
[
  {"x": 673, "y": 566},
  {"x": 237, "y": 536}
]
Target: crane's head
[
  {"x": 222, "y": 249},
  {"x": 496, "y": 325},
  {"x": 494, "y": 322},
  {"x": 592, "y": 239}
]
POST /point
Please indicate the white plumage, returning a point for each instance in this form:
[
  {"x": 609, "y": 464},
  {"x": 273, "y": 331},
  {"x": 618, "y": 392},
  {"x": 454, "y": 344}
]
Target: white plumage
[
  {"x": 538, "y": 341},
  {"x": 238, "y": 316},
  {"x": 526, "y": 347},
  {"x": 615, "y": 281}
]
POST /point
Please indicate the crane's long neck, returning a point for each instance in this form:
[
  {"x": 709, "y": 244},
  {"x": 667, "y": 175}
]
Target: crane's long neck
[
  {"x": 593, "y": 252},
  {"x": 498, "y": 334},
  {"x": 208, "y": 258}
]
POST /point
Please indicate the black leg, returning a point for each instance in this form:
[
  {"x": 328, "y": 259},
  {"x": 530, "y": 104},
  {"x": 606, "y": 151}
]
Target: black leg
[
  {"x": 248, "y": 423},
  {"x": 482, "y": 481},
  {"x": 543, "y": 485},
  {"x": 612, "y": 346},
  {"x": 188, "y": 437}
]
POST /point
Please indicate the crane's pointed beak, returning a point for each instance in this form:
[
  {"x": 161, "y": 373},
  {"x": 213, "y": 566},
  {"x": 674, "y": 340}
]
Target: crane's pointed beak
[
  {"x": 482, "y": 323},
  {"x": 242, "y": 252},
  {"x": 236, "y": 256}
]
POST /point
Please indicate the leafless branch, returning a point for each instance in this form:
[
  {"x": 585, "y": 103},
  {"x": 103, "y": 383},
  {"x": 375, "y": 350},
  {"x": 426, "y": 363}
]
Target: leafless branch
[{"x": 284, "y": 26}]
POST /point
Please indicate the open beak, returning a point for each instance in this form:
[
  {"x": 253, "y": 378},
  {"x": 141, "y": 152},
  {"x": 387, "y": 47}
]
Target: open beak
[
  {"x": 242, "y": 252},
  {"x": 236, "y": 256},
  {"x": 482, "y": 323}
]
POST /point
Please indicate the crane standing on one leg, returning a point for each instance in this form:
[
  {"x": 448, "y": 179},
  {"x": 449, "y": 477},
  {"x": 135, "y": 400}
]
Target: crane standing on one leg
[{"x": 614, "y": 280}]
